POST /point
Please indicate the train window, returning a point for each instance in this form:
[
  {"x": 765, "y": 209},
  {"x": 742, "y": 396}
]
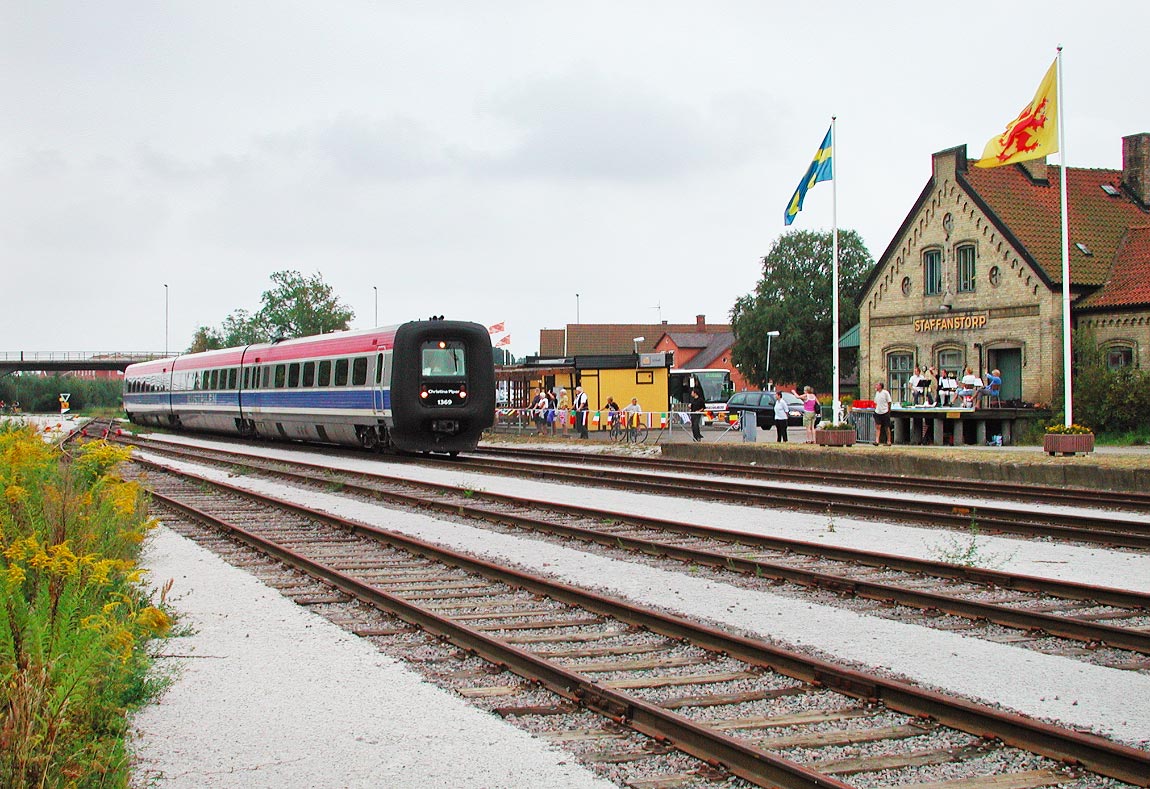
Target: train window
[
  {"x": 308, "y": 375},
  {"x": 280, "y": 376},
  {"x": 245, "y": 377},
  {"x": 267, "y": 377},
  {"x": 379, "y": 368},
  {"x": 341, "y": 372},
  {"x": 324, "y": 377},
  {"x": 359, "y": 371},
  {"x": 232, "y": 378},
  {"x": 214, "y": 380},
  {"x": 443, "y": 358},
  {"x": 293, "y": 375}
]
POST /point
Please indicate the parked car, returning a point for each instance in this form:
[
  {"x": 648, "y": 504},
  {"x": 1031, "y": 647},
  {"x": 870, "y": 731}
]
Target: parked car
[{"x": 763, "y": 404}]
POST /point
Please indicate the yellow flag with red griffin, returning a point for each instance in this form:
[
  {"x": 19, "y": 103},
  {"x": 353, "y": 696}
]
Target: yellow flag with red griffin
[{"x": 1033, "y": 134}]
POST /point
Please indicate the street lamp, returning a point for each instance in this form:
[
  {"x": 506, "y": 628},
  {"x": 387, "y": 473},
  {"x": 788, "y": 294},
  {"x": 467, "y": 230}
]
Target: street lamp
[
  {"x": 770, "y": 334},
  {"x": 376, "y": 289},
  {"x": 635, "y": 343},
  {"x": 165, "y": 319},
  {"x": 576, "y": 308}
]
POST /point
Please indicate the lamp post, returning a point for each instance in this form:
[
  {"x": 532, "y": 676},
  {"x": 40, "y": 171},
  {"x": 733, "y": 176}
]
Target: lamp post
[
  {"x": 165, "y": 319},
  {"x": 770, "y": 334},
  {"x": 635, "y": 343},
  {"x": 576, "y": 308},
  {"x": 376, "y": 289}
]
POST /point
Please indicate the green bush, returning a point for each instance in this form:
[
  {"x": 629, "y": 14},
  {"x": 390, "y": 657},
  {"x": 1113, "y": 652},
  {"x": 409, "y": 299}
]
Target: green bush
[
  {"x": 1109, "y": 400},
  {"x": 73, "y": 619},
  {"x": 40, "y": 394}
]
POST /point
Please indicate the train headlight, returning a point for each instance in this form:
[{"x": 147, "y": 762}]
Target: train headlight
[
  {"x": 423, "y": 393},
  {"x": 462, "y": 392}
]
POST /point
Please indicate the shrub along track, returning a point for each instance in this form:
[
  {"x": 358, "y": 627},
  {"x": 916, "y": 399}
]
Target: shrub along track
[
  {"x": 768, "y": 715},
  {"x": 1130, "y": 501},
  {"x": 1099, "y": 616}
]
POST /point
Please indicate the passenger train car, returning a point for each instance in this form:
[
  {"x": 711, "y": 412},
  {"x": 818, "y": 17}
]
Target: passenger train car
[{"x": 417, "y": 387}]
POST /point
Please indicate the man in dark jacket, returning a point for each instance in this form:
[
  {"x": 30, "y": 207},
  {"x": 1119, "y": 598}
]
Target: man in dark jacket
[{"x": 698, "y": 406}]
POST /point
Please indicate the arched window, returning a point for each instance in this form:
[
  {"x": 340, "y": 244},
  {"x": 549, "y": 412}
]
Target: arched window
[
  {"x": 965, "y": 260},
  {"x": 898, "y": 367},
  {"x": 1119, "y": 356},
  {"x": 932, "y": 272}
]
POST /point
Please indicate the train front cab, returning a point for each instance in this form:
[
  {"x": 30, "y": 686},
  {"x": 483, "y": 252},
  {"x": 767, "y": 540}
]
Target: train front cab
[{"x": 442, "y": 387}]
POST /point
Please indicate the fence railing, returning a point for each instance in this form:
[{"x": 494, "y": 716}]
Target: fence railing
[
  {"x": 553, "y": 421},
  {"x": 75, "y": 356}
]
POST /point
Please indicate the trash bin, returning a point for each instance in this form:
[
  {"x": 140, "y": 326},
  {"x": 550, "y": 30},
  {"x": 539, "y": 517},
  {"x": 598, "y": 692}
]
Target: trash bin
[
  {"x": 750, "y": 425},
  {"x": 863, "y": 419}
]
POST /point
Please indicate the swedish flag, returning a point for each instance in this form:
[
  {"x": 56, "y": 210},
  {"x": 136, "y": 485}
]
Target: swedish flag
[{"x": 821, "y": 169}]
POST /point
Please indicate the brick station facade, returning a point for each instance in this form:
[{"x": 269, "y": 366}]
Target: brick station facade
[{"x": 974, "y": 275}]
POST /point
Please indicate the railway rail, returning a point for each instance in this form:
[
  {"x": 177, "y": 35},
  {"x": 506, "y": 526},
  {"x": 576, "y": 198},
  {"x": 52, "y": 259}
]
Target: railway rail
[
  {"x": 1096, "y": 615},
  {"x": 1131, "y": 501},
  {"x": 768, "y": 715},
  {"x": 1110, "y": 529}
]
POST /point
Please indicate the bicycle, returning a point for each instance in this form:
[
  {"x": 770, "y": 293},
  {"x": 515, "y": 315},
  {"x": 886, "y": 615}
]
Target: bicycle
[{"x": 635, "y": 432}]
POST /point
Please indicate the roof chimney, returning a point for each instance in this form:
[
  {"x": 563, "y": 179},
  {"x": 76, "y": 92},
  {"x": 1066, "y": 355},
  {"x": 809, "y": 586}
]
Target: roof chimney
[
  {"x": 1136, "y": 166},
  {"x": 701, "y": 322},
  {"x": 1036, "y": 169}
]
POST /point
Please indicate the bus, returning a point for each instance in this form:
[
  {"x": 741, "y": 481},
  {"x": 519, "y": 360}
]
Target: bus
[{"x": 715, "y": 385}]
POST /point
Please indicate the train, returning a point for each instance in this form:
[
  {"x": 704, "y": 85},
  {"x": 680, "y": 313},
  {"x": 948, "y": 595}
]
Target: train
[{"x": 420, "y": 386}]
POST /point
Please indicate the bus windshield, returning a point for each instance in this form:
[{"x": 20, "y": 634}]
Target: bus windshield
[{"x": 714, "y": 384}]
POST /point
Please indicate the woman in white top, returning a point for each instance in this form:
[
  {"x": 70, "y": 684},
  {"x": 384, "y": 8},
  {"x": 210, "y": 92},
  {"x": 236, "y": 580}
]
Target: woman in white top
[{"x": 781, "y": 413}]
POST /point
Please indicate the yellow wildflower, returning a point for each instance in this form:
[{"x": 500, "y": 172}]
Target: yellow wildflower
[
  {"x": 154, "y": 620},
  {"x": 64, "y": 562}
]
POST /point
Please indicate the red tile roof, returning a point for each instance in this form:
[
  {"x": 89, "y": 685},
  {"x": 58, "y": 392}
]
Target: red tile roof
[
  {"x": 1128, "y": 281},
  {"x": 1030, "y": 210},
  {"x": 551, "y": 342},
  {"x": 588, "y": 339}
]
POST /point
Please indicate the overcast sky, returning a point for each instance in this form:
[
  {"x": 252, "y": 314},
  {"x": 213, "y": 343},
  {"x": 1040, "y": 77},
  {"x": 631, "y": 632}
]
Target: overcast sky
[{"x": 490, "y": 160}]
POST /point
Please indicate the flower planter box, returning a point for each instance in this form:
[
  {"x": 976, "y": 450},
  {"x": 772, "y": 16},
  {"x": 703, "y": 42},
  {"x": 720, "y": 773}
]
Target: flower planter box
[
  {"x": 1067, "y": 443},
  {"x": 835, "y": 438}
]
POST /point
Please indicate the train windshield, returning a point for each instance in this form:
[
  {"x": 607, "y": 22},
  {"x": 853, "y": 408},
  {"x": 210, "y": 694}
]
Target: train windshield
[{"x": 443, "y": 359}]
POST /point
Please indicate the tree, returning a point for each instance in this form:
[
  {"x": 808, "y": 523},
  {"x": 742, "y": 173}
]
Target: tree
[
  {"x": 298, "y": 307},
  {"x": 794, "y": 298},
  {"x": 295, "y": 307}
]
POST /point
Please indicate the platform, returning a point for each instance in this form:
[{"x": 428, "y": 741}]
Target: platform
[{"x": 959, "y": 426}]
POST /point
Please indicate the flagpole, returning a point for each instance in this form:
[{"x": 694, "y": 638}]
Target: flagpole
[
  {"x": 1068, "y": 393},
  {"x": 835, "y": 409}
]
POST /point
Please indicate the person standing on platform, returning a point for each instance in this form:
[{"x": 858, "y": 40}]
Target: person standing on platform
[
  {"x": 882, "y": 403},
  {"x": 564, "y": 413},
  {"x": 810, "y": 411},
  {"x": 698, "y": 405},
  {"x": 781, "y": 417},
  {"x": 582, "y": 407}
]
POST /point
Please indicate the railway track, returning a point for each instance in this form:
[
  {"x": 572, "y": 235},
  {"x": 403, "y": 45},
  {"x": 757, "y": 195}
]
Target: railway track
[
  {"x": 1110, "y": 529},
  {"x": 768, "y": 715},
  {"x": 1095, "y": 615},
  {"x": 1129, "y": 501}
]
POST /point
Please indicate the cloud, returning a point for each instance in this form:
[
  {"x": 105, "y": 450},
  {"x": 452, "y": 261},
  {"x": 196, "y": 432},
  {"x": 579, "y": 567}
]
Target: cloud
[
  {"x": 586, "y": 126},
  {"x": 362, "y": 148}
]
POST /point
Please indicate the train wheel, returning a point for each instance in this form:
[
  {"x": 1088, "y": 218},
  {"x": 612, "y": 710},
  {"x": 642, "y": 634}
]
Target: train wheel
[{"x": 369, "y": 438}]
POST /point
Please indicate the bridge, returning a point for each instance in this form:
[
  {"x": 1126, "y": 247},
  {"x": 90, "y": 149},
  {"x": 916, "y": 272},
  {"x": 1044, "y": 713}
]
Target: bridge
[{"x": 68, "y": 361}]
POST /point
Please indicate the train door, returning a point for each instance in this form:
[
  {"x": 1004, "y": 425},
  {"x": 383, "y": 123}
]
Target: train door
[{"x": 381, "y": 385}]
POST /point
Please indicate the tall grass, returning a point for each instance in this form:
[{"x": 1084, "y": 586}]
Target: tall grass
[{"x": 73, "y": 618}]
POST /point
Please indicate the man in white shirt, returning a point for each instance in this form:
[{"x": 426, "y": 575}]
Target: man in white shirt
[
  {"x": 581, "y": 409},
  {"x": 882, "y": 403},
  {"x": 971, "y": 387}
]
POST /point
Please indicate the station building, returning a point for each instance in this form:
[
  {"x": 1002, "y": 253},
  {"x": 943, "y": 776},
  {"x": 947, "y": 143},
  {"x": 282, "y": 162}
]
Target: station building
[{"x": 973, "y": 277}]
